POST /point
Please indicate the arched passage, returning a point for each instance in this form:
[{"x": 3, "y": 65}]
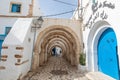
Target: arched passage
[
  {"x": 60, "y": 36},
  {"x": 61, "y": 41},
  {"x": 56, "y": 44}
]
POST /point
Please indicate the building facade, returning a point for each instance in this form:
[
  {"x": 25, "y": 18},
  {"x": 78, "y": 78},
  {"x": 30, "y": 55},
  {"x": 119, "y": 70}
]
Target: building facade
[
  {"x": 14, "y": 10},
  {"x": 10, "y": 13},
  {"x": 101, "y": 35},
  {"x": 17, "y": 9},
  {"x": 23, "y": 49}
]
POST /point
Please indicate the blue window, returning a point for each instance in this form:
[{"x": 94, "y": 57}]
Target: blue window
[
  {"x": 7, "y": 30},
  {"x": 16, "y": 8}
]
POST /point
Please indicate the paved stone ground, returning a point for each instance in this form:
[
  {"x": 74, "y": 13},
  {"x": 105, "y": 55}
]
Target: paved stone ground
[{"x": 56, "y": 69}]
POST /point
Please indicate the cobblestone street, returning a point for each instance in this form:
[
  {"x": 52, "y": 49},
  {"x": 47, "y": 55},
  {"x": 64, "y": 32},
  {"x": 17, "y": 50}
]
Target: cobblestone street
[{"x": 56, "y": 69}]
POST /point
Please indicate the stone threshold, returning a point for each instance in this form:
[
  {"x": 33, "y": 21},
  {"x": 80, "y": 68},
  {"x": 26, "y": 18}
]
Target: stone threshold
[{"x": 98, "y": 76}]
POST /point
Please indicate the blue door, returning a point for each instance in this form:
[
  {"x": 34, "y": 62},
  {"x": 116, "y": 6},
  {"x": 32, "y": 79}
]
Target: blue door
[{"x": 107, "y": 54}]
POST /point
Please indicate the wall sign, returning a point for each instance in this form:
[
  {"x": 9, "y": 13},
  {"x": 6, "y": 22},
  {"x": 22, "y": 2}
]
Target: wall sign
[{"x": 95, "y": 14}]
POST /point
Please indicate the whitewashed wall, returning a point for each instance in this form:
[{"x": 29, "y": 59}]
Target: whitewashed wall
[
  {"x": 19, "y": 36},
  {"x": 5, "y": 7},
  {"x": 9, "y": 21},
  {"x": 36, "y": 8},
  {"x": 101, "y": 18},
  {"x": 6, "y": 22},
  {"x": 96, "y": 19}
]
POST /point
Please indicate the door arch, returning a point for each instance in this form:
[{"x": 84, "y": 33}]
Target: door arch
[{"x": 107, "y": 54}]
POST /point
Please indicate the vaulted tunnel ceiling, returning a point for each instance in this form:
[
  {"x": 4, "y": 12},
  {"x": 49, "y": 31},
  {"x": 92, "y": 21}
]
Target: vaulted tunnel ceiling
[{"x": 60, "y": 36}]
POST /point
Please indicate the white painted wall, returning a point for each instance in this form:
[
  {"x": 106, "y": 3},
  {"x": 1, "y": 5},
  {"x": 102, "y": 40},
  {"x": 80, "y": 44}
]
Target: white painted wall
[
  {"x": 6, "y": 22},
  {"x": 9, "y": 21},
  {"x": 5, "y": 7},
  {"x": 36, "y": 8},
  {"x": 91, "y": 33},
  {"x": 18, "y": 36},
  {"x": 113, "y": 22}
]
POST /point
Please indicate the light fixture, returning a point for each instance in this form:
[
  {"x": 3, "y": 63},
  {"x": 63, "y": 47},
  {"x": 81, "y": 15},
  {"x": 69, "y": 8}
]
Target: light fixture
[{"x": 38, "y": 22}]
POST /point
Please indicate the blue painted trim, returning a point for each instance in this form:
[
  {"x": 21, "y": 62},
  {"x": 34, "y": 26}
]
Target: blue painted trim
[
  {"x": 7, "y": 29},
  {"x": 2, "y": 37}
]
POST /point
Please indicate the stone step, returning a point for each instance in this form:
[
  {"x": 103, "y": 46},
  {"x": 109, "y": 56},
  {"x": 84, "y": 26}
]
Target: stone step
[
  {"x": 81, "y": 78},
  {"x": 98, "y": 76}
]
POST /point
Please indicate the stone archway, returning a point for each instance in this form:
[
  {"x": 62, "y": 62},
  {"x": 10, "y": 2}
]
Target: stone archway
[{"x": 56, "y": 35}]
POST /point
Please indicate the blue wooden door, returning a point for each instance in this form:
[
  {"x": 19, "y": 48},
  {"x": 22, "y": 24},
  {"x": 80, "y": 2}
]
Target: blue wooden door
[{"x": 107, "y": 54}]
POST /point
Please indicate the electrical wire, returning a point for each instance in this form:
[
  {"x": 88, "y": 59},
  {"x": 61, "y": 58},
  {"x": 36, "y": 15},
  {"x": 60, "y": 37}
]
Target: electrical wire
[
  {"x": 58, "y": 14},
  {"x": 65, "y": 3}
]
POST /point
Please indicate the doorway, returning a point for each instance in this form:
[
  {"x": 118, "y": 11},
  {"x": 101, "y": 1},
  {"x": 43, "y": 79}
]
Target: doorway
[
  {"x": 107, "y": 54},
  {"x": 56, "y": 51}
]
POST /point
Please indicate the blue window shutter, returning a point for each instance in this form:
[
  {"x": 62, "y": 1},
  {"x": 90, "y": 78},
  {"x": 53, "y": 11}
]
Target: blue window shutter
[
  {"x": 16, "y": 8},
  {"x": 7, "y": 30},
  {"x": 13, "y": 8}
]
